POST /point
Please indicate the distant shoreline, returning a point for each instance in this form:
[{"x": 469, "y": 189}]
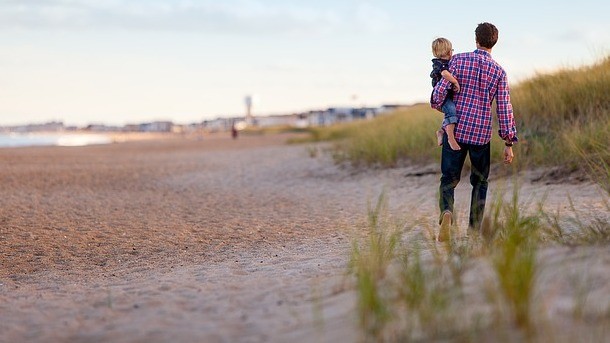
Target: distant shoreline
[{"x": 53, "y": 138}]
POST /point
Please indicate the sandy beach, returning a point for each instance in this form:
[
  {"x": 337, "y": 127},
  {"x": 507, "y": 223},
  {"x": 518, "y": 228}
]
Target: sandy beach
[{"x": 206, "y": 240}]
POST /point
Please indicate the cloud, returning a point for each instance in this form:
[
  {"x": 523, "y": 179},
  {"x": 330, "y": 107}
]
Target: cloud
[{"x": 242, "y": 16}]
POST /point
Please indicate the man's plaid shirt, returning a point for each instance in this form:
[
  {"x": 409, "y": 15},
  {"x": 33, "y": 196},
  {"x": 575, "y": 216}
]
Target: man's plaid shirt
[{"x": 481, "y": 81}]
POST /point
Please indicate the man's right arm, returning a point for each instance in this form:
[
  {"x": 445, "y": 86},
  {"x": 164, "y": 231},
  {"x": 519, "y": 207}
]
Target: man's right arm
[
  {"x": 449, "y": 77},
  {"x": 440, "y": 93}
]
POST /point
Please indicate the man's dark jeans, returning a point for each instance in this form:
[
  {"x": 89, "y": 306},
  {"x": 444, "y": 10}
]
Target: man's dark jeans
[{"x": 452, "y": 162}]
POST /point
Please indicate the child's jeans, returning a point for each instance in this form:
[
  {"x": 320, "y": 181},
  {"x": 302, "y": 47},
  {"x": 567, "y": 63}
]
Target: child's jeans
[{"x": 448, "y": 109}]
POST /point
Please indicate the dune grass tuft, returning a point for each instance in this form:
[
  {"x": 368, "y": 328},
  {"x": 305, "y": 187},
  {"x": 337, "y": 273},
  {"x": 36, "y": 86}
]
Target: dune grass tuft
[
  {"x": 369, "y": 263},
  {"x": 513, "y": 238}
]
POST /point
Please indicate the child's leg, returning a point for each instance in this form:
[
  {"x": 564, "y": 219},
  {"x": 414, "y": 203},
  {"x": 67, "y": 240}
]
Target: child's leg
[
  {"x": 439, "y": 137},
  {"x": 450, "y": 122},
  {"x": 451, "y": 137}
]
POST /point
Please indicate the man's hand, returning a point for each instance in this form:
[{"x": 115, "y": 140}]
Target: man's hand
[
  {"x": 508, "y": 155},
  {"x": 456, "y": 87}
]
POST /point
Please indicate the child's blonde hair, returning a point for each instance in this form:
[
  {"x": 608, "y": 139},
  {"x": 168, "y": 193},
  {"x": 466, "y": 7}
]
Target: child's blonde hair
[{"x": 441, "y": 47}]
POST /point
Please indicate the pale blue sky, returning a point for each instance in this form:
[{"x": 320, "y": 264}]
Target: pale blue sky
[{"x": 121, "y": 61}]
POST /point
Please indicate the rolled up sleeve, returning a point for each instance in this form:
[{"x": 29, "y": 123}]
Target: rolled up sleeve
[{"x": 506, "y": 118}]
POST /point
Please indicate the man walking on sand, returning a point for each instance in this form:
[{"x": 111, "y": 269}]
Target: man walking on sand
[{"x": 482, "y": 80}]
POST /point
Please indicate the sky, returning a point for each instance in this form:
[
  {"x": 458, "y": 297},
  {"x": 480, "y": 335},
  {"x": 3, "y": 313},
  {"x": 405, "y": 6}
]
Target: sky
[{"x": 129, "y": 61}]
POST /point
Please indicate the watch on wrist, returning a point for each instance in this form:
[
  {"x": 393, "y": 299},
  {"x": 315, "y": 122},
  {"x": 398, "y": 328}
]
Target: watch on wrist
[{"x": 508, "y": 143}]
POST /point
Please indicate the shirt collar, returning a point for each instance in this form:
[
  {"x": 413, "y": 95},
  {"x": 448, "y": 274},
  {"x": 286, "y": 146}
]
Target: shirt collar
[{"x": 482, "y": 52}]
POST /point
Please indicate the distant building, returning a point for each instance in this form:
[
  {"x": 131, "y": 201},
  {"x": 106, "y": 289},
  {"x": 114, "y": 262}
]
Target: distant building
[
  {"x": 131, "y": 128},
  {"x": 315, "y": 118},
  {"x": 336, "y": 115},
  {"x": 102, "y": 128},
  {"x": 157, "y": 126},
  {"x": 277, "y": 120},
  {"x": 54, "y": 126},
  {"x": 364, "y": 113},
  {"x": 221, "y": 124}
]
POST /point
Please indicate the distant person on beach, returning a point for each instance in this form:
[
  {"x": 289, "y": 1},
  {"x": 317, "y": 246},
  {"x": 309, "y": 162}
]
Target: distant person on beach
[
  {"x": 481, "y": 81},
  {"x": 442, "y": 51},
  {"x": 233, "y": 131}
]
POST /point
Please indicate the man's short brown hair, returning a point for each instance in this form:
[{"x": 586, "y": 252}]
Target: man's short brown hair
[{"x": 486, "y": 35}]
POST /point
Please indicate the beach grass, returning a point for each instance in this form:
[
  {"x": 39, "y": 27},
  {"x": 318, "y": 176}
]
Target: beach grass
[
  {"x": 385, "y": 140},
  {"x": 565, "y": 115},
  {"x": 413, "y": 290},
  {"x": 369, "y": 262},
  {"x": 513, "y": 235},
  {"x": 560, "y": 117},
  {"x": 420, "y": 290}
]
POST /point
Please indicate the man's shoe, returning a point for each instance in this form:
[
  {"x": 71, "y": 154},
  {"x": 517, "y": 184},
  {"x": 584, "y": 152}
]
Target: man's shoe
[{"x": 444, "y": 234}]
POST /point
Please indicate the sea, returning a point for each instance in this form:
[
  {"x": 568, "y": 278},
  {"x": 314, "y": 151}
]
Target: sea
[{"x": 8, "y": 140}]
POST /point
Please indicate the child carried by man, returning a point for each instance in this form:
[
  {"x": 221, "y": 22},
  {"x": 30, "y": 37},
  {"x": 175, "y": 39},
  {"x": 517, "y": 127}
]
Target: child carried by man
[{"x": 442, "y": 51}]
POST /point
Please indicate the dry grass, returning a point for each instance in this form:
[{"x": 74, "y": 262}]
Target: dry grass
[{"x": 560, "y": 117}]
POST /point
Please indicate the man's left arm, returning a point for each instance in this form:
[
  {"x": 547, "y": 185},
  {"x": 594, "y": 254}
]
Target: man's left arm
[{"x": 506, "y": 118}]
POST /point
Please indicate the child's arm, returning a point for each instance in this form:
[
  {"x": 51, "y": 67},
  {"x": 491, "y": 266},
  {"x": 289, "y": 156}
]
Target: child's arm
[{"x": 449, "y": 77}]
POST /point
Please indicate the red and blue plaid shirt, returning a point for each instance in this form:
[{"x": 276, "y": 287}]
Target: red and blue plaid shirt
[{"x": 481, "y": 81}]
